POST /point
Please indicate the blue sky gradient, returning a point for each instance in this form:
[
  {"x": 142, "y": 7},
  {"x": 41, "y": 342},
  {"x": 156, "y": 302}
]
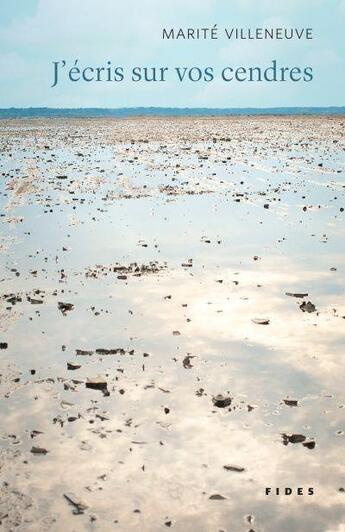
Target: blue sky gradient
[{"x": 34, "y": 33}]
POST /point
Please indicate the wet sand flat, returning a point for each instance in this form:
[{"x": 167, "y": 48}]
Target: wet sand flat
[{"x": 172, "y": 324}]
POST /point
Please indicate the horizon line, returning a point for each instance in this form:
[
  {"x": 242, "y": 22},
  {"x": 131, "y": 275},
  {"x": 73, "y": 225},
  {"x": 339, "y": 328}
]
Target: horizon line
[
  {"x": 177, "y": 107},
  {"x": 12, "y": 113}
]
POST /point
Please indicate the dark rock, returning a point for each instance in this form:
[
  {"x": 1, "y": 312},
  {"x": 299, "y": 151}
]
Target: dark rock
[
  {"x": 65, "y": 307},
  {"x": 38, "y": 450},
  {"x": 83, "y": 352},
  {"x": 217, "y": 497},
  {"x": 236, "y": 469},
  {"x": 293, "y": 438},
  {"x": 96, "y": 383},
  {"x": 309, "y": 444},
  {"x": 73, "y": 365},
  {"x": 307, "y": 307},
  {"x": 221, "y": 401},
  {"x": 291, "y": 402},
  {"x": 78, "y": 505}
]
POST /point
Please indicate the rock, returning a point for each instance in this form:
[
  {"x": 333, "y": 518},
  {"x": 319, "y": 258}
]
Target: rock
[
  {"x": 66, "y": 404},
  {"x": 309, "y": 444},
  {"x": 217, "y": 497},
  {"x": 64, "y": 307},
  {"x": 307, "y": 307},
  {"x": 186, "y": 362},
  {"x": 293, "y": 438},
  {"x": 35, "y": 433},
  {"x": 236, "y": 469},
  {"x": 69, "y": 387},
  {"x": 38, "y": 450},
  {"x": 73, "y": 365},
  {"x": 78, "y": 505},
  {"x": 221, "y": 401},
  {"x": 96, "y": 383},
  {"x": 115, "y": 351},
  {"x": 34, "y": 301},
  {"x": 291, "y": 402},
  {"x": 296, "y": 294},
  {"x": 83, "y": 352}
]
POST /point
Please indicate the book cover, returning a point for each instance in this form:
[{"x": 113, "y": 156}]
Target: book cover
[{"x": 172, "y": 314}]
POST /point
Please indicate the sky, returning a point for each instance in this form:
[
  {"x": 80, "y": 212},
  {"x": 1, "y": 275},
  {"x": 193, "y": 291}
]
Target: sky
[{"x": 35, "y": 33}]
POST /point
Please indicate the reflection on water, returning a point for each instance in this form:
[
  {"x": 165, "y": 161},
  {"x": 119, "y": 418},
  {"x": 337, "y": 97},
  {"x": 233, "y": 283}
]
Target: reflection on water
[{"x": 234, "y": 221}]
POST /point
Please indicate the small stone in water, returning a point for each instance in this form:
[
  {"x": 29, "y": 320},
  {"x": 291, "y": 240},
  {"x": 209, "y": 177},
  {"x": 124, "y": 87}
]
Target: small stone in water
[{"x": 221, "y": 401}]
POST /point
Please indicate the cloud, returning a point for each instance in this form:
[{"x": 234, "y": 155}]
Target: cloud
[
  {"x": 277, "y": 8},
  {"x": 130, "y": 34},
  {"x": 89, "y": 25}
]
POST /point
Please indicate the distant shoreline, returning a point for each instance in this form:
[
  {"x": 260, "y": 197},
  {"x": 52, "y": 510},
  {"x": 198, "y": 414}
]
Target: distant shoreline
[{"x": 47, "y": 112}]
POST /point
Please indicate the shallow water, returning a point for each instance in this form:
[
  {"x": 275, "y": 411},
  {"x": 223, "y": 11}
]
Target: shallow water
[{"x": 235, "y": 212}]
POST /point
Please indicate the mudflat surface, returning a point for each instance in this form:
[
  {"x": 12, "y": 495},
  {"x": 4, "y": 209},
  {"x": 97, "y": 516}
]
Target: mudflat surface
[{"x": 172, "y": 324}]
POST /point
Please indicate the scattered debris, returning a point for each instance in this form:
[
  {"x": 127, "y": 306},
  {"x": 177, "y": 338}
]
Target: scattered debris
[{"x": 150, "y": 292}]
